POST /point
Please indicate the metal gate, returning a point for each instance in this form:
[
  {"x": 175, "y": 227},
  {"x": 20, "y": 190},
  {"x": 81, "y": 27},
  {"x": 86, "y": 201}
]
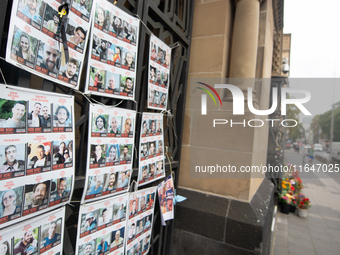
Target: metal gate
[{"x": 171, "y": 21}]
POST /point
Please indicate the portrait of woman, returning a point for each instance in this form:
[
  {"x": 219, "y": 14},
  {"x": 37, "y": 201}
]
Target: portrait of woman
[
  {"x": 112, "y": 154},
  {"x": 8, "y": 203},
  {"x": 128, "y": 61},
  {"x": 4, "y": 248},
  {"x": 25, "y": 50},
  {"x": 101, "y": 18}
]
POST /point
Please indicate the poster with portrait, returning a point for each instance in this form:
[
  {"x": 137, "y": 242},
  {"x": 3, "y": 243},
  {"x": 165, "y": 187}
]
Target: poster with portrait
[
  {"x": 101, "y": 226},
  {"x": 35, "y": 39},
  {"x": 159, "y": 74},
  {"x": 139, "y": 221},
  {"x": 41, "y": 235},
  {"x": 110, "y": 151},
  {"x": 111, "y": 70},
  {"x": 36, "y": 164},
  {"x": 151, "y": 149},
  {"x": 166, "y": 198}
]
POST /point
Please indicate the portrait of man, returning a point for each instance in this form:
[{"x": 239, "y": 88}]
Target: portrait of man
[
  {"x": 45, "y": 118},
  {"x": 78, "y": 36},
  {"x": 152, "y": 170},
  {"x": 88, "y": 247},
  {"x": 50, "y": 58},
  {"x": 41, "y": 158},
  {"x": 140, "y": 227},
  {"x": 117, "y": 26},
  {"x": 153, "y": 127},
  {"x": 133, "y": 209},
  {"x": 32, "y": 10},
  {"x": 71, "y": 69},
  {"x": 144, "y": 173},
  {"x": 97, "y": 156},
  {"x": 18, "y": 112},
  {"x": 128, "y": 86},
  {"x": 159, "y": 130},
  {"x": 52, "y": 25},
  {"x": 27, "y": 245},
  {"x": 145, "y": 128},
  {"x": 160, "y": 147},
  {"x": 152, "y": 96},
  {"x": 112, "y": 182},
  {"x": 151, "y": 149},
  {"x": 101, "y": 50},
  {"x": 113, "y": 83},
  {"x": 103, "y": 246},
  {"x": 96, "y": 186},
  {"x": 105, "y": 216},
  {"x": 132, "y": 231},
  {"x": 144, "y": 152},
  {"x": 142, "y": 204},
  {"x": 123, "y": 180},
  {"x": 160, "y": 167},
  {"x": 124, "y": 155},
  {"x": 52, "y": 237},
  {"x": 34, "y": 116},
  {"x": 61, "y": 116},
  {"x": 81, "y": 7},
  {"x": 121, "y": 212},
  {"x": 115, "y": 125},
  {"x": 100, "y": 124},
  {"x": 58, "y": 155},
  {"x": 12, "y": 164},
  {"x": 160, "y": 56},
  {"x": 91, "y": 222},
  {"x": 61, "y": 191},
  {"x": 39, "y": 194},
  {"x": 128, "y": 126},
  {"x": 152, "y": 74}
]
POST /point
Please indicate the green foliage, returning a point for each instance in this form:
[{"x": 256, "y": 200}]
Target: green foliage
[
  {"x": 297, "y": 131},
  {"x": 324, "y": 121}
]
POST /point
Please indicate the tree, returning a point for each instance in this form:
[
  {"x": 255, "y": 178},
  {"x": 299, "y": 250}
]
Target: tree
[
  {"x": 298, "y": 131},
  {"x": 325, "y": 122}
]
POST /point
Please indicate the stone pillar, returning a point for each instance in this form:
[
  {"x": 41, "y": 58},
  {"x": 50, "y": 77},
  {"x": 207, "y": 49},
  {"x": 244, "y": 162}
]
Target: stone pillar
[{"x": 245, "y": 38}]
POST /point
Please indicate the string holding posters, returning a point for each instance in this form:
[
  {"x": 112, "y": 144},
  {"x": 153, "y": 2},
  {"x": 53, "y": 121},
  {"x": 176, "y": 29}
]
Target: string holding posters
[
  {"x": 110, "y": 152},
  {"x": 102, "y": 226},
  {"x": 139, "y": 224},
  {"x": 113, "y": 52},
  {"x": 166, "y": 199},
  {"x": 41, "y": 235},
  {"x": 35, "y": 39},
  {"x": 151, "y": 149},
  {"x": 159, "y": 74},
  {"x": 36, "y": 152}
]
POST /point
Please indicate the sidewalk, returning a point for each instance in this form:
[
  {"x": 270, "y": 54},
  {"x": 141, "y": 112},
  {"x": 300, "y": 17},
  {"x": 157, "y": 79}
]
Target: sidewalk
[{"x": 319, "y": 233}]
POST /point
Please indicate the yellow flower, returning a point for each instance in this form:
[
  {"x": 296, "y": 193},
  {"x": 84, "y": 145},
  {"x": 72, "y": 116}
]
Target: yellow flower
[{"x": 284, "y": 186}]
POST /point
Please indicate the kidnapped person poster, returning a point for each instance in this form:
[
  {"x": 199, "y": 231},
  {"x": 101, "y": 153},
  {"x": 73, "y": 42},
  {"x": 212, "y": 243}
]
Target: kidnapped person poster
[
  {"x": 110, "y": 151},
  {"x": 166, "y": 199},
  {"x": 41, "y": 235},
  {"x": 36, "y": 152},
  {"x": 140, "y": 212},
  {"x": 111, "y": 70},
  {"x": 151, "y": 149},
  {"x": 159, "y": 74},
  {"x": 35, "y": 39},
  {"x": 101, "y": 226}
]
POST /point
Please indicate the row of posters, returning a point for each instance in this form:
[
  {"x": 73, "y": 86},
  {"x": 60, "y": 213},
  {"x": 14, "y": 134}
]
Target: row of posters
[
  {"x": 110, "y": 152},
  {"x": 151, "y": 155},
  {"x": 159, "y": 74},
  {"x": 36, "y": 46},
  {"x": 36, "y": 169},
  {"x": 108, "y": 225},
  {"x": 35, "y": 41},
  {"x": 41, "y": 235},
  {"x": 111, "y": 69}
]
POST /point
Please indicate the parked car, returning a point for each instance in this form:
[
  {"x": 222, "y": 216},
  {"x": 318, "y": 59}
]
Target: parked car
[{"x": 317, "y": 147}]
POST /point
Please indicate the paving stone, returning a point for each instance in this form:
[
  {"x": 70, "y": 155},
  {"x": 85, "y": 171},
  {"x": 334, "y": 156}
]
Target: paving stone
[
  {"x": 299, "y": 234},
  {"x": 300, "y": 249},
  {"x": 324, "y": 247}
]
